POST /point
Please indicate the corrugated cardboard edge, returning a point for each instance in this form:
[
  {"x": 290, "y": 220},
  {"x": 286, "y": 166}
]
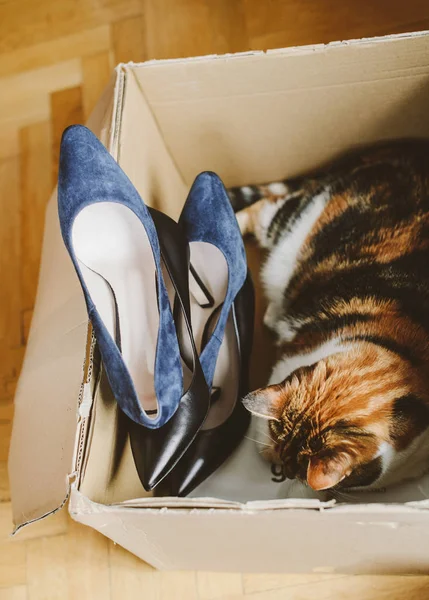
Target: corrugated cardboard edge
[
  {"x": 289, "y": 51},
  {"x": 82, "y": 504},
  {"x": 326, "y": 540}
]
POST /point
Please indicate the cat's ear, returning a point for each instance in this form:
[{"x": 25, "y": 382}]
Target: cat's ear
[
  {"x": 324, "y": 473},
  {"x": 264, "y": 402}
]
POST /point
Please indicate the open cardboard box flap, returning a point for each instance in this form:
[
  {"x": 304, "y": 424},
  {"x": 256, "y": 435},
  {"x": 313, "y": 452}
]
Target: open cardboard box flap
[{"x": 250, "y": 117}]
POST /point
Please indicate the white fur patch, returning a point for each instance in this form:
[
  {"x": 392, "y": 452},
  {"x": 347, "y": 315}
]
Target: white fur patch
[
  {"x": 277, "y": 188},
  {"x": 289, "y": 364},
  {"x": 286, "y": 329},
  {"x": 397, "y": 467},
  {"x": 283, "y": 327},
  {"x": 281, "y": 263},
  {"x": 246, "y": 191},
  {"x": 408, "y": 464},
  {"x": 387, "y": 454}
]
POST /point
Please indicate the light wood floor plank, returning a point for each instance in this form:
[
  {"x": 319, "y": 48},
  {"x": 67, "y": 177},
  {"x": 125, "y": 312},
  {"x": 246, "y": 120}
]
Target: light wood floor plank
[
  {"x": 14, "y": 593},
  {"x": 26, "y": 317},
  {"x": 68, "y": 47},
  {"x": 6, "y": 417},
  {"x": 128, "y": 40},
  {"x": 66, "y": 109},
  {"x": 11, "y": 359},
  {"x": 10, "y": 255},
  {"x": 27, "y": 22},
  {"x": 4, "y": 482},
  {"x": 259, "y": 582},
  {"x": 87, "y": 563},
  {"x": 228, "y": 26},
  {"x": 47, "y": 575},
  {"x": 131, "y": 578},
  {"x": 349, "y": 588},
  {"x": 13, "y": 564},
  {"x": 18, "y": 91},
  {"x": 5, "y": 521},
  {"x": 185, "y": 28},
  {"x": 96, "y": 72},
  {"x": 178, "y": 585},
  {"x": 9, "y": 141},
  {"x": 36, "y": 187},
  {"x": 214, "y": 586},
  {"x": 292, "y": 22}
]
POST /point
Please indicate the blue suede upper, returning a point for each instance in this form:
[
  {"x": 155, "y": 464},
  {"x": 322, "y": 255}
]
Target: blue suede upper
[
  {"x": 89, "y": 174},
  {"x": 207, "y": 216}
]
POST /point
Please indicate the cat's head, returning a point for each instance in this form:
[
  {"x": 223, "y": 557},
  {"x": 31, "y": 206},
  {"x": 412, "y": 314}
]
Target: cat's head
[{"x": 341, "y": 421}]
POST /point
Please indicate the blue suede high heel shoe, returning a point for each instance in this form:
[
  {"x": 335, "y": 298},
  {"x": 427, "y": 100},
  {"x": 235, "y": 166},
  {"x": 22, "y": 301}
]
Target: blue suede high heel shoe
[
  {"x": 222, "y": 309},
  {"x": 115, "y": 248}
]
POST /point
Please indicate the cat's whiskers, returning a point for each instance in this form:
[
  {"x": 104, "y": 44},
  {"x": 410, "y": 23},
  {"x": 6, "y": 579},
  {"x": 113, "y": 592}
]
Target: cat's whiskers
[
  {"x": 268, "y": 436},
  {"x": 257, "y": 441},
  {"x": 346, "y": 496}
]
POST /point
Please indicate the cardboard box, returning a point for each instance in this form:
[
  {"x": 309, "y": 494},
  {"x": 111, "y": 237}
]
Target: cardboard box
[{"x": 250, "y": 117}]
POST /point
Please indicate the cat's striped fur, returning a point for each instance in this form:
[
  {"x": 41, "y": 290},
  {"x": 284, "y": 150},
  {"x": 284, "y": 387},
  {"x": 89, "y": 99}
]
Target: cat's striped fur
[{"x": 347, "y": 279}]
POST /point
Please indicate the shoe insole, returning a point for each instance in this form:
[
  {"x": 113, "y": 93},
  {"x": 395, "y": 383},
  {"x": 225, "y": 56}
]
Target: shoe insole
[
  {"x": 211, "y": 282},
  {"x": 118, "y": 267}
]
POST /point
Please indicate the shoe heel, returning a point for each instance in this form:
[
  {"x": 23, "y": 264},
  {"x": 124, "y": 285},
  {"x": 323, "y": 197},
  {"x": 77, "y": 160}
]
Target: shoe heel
[{"x": 175, "y": 253}]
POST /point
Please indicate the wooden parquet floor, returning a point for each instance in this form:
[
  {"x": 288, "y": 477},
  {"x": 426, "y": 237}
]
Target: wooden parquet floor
[{"x": 55, "y": 58}]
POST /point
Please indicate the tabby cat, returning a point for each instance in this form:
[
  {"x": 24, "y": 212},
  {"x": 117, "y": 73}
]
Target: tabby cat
[{"x": 347, "y": 281}]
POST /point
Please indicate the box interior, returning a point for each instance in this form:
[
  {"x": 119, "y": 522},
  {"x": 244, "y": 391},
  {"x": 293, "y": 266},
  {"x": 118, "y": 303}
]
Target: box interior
[{"x": 251, "y": 118}]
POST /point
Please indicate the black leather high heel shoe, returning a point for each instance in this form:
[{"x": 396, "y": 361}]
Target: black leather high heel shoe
[
  {"x": 223, "y": 329},
  {"x": 218, "y": 439}
]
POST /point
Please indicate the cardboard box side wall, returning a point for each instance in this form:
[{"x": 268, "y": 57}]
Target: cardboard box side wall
[
  {"x": 262, "y": 117},
  {"x": 266, "y": 540}
]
